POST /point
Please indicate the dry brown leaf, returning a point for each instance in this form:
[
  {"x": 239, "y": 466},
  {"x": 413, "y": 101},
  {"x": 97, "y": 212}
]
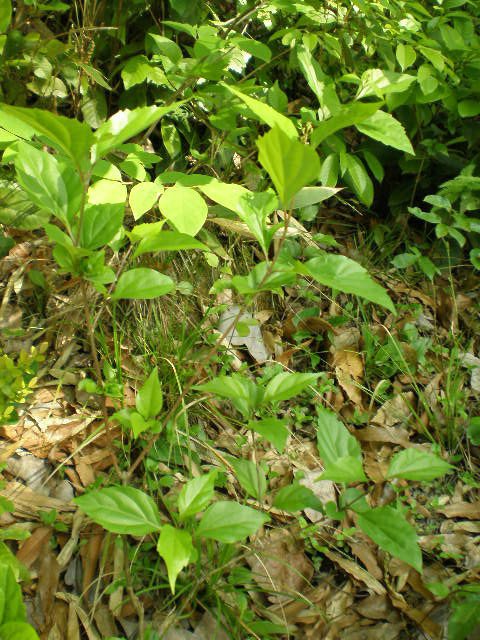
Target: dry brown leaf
[
  {"x": 365, "y": 554},
  {"x": 470, "y": 510},
  {"x": 28, "y": 503},
  {"x": 393, "y": 435},
  {"x": 385, "y": 631},
  {"x": 357, "y": 572},
  {"x": 48, "y": 576},
  {"x": 324, "y": 490},
  {"x": 90, "y": 554},
  {"x": 348, "y": 367},
  {"x": 34, "y": 545},
  {"x": 396, "y": 411},
  {"x": 376, "y": 607},
  {"x": 74, "y": 602}
]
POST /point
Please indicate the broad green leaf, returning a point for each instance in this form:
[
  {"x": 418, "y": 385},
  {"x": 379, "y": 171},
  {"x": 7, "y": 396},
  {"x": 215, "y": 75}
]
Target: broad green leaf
[
  {"x": 184, "y": 208},
  {"x": 343, "y": 274},
  {"x": 168, "y": 241},
  {"x": 413, "y": 464},
  {"x": 346, "y": 469},
  {"x": 196, "y": 495},
  {"x": 405, "y": 55},
  {"x": 285, "y": 385},
  {"x": 18, "y": 631},
  {"x": 142, "y": 284},
  {"x": 5, "y": 14},
  {"x": 329, "y": 170},
  {"x": 229, "y": 522},
  {"x": 228, "y": 195},
  {"x": 50, "y": 184},
  {"x": 266, "y": 114},
  {"x": 312, "y": 195},
  {"x": 121, "y": 510},
  {"x": 334, "y": 440},
  {"x": 68, "y": 136},
  {"x": 171, "y": 139},
  {"x": 263, "y": 278},
  {"x": 253, "y": 47},
  {"x": 358, "y": 178},
  {"x": 138, "y": 69},
  {"x": 290, "y": 164},
  {"x": 101, "y": 222},
  {"x": 388, "y": 528},
  {"x": 468, "y": 108},
  {"x": 273, "y": 430},
  {"x": 296, "y": 497},
  {"x": 149, "y": 400},
  {"x": 465, "y": 619},
  {"x": 377, "y": 82},
  {"x": 11, "y": 604},
  {"x": 176, "y": 548},
  {"x": 126, "y": 124},
  {"x": 162, "y": 46},
  {"x": 382, "y": 126},
  {"x": 321, "y": 84},
  {"x": 243, "y": 392},
  {"x": 143, "y": 197},
  {"x": 250, "y": 476},
  {"x": 138, "y": 424},
  {"x": 347, "y": 116}
]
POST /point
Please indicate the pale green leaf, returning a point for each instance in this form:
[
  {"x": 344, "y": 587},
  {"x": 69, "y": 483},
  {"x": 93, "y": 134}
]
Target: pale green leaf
[
  {"x": 334, "y": 440},
  {"x": 285, "y": 385},
  {"x": 196, "y": 494},
  {"x": 273, "y": 430},
  {"x": 168, "y": 241},
  {"x": 346, "y": 469},
  {"x": 405, "y": 55},
  {"x": 176, "y": 548},
  {"x": 149, "y": 400},
  {"x": 312, "y": 195},
  {"x": 121, "y": 510},
  {"x": 385, "y": 128},
  {"x": 11, "y": 604},
  {"x": 388, "y": 528},
  {"x": 414, "y": 464},
  {"x": 184, "y": 208},
  {"x": 143, "y": 197},
  {"x": 142, "y": 284},
  {"x": 343, "y": 274},
  {"x": 296, "y": 497},
  {"x": 18, "y": 631},
  {"x": 250, "y": 476},
  {"x": 5, "y": 14},
  {"x": 347, "y": 116},
  {"x": 290, "y": 164},
  {"x": 230, "y": 522}
]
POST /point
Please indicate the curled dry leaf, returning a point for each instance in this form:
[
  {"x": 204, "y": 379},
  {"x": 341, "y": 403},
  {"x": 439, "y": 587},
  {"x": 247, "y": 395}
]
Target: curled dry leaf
[
  {"x": 395, "y": 412},
  {"x": 357, "y": 572}
]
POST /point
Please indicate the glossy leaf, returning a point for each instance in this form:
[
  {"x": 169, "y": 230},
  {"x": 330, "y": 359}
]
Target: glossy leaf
[
  {"x": 346, "y": 275},
  {"x": 285, "y": 385},
  {"x": 414, "y": 464},
  {"x": 101, "y": 223},
  {"x": 196, "y": 495},
  {"x": 149, "y": 400},
  {"x": 121, "y": 510},
  {"x": 176, "y": 548},
  {"x": 230, "y": 522},
  {"x": 184, "y": 208},
  {"x": 388, "y": 528},
  {"x": 142, "y": 284}
]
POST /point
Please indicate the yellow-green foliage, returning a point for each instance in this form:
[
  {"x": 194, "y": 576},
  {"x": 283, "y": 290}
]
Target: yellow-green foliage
[{"x": 17, "y": 379}]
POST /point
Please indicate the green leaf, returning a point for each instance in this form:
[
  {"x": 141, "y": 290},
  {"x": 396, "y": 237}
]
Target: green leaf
[
  {"x": 312, "y": 195},
  {"x": 176, "y": 548},
  {"x": 184, "y": 208},
  {"x": 465, "y": 618},
  {"x": 347, "y": 116},
  {"x": 265, "y": 113},
  {"x": 196, "y": 494},
  {"x": 126, "y": 124},
  {"x": 468, "y": 108},
  {"x": 121, "y": 510},
  {"x": 243, "y": 392},
  {"x": 377, "y": 82},
  {"x": 358, "y": 178},
  {"x": 344, "y": 274},
  {"x": 68, "y": 136},
  {"x": 329, "y": 170},
  {"x": 385, "y": 128},
  {"x": 18, "y": 631},
  {"x": 290, "y": 164},
  {"x": 388, "y": 528},
  {"x": 273, "y": 430},
  {"x": 138, "y": 69},
  {"x": 253, "y": 47},
  {"x": 163, "y": 46},
  {"x": 5, "y": 15},
  {"x": 168, "y": 241},
  {"x": 321, "y": 84},
  {"x": 250, "y": 476},
  {"x": 413, "y": 464},
  {"x": 285, "y": 385},
  {"x": 473, "y": 430},
  {"x": 142, "y": 284},
  {"x": 296, "y": 497},
  {"x": 334, "y": 440},
  {"x": 230, "y": 522},
  {"x": 149, "y": 400},
  {"x": 427, "y": 216},
  {"x": 405, "y": 55},
  {"x": 50, "y": 184},
  {"x": 12, "y": 608},
  {"x": 143, "y": 197},
  {"x": 101, "y": 223},
  {"x": 346, "y": 469}
]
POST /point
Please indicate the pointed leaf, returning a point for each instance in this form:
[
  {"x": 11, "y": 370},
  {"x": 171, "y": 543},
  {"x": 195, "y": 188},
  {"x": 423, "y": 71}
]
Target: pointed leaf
[
  {"x": 347, "y": 116},
  {"x": 142, "y": 284},
  {"x": 273, "y": 430},
  {"x": 143, "y": 197},
  {"x": 168, "y": 241},
  {"x": 121, "y": 510},
  {"x": 196, "y": 494},
  {"x": 296, "y": 497},
  {"x": 385, "y": 128},
  {"x": 149, "y": 400},
  {"x": 334, "y": 440},
  {"x": 346, "y": 469},
  {"x": 176, "y": 548},
  {"x": 413, "y": 464},
  {"x": 101, "y": 223},
  {"x": 230, "y": 522},
  {"x": 250, "y": 476},
  {"x": 388, "y": 528},
  {"x": 285, "y": 385}
]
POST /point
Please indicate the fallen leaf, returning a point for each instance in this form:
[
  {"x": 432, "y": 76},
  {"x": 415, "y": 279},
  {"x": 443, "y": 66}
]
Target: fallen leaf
[
  {"x": 357, "y": 572},
  {"x": 470, "y": 510},
  {"x": 396, "y": 411}
]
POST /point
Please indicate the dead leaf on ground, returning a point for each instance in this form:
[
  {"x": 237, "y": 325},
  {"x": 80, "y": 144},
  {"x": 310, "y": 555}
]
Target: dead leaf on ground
[
  {"x": 357, "y": 572},
  {"x": 395, "y": 412},
  {"x": 470, "y": 510}
]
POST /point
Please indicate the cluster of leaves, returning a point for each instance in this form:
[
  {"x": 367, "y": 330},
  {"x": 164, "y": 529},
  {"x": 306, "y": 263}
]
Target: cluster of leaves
[{"x": 17, "y": 379}]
